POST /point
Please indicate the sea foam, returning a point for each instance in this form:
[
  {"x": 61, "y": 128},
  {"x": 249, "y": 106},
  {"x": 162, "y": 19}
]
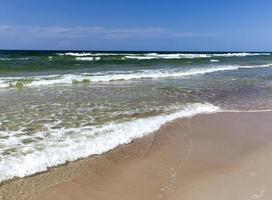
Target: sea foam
[
  {"x": 74, "y": 54},
  {"x": 107, "y": 76},
  {"x": 150, "y": 56},
  {"x": 59, "y": 145},
  {"x": 65, "y": 79},
  {"x": 167, "y": 56}
]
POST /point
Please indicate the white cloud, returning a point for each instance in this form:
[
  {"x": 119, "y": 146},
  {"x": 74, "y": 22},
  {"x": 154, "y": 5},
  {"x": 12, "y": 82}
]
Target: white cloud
[
  {"x": 181, "y": 35},
  {"x": 58, "y": 32}
]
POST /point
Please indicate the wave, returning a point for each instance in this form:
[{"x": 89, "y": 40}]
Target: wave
[
  {"x": 150, "y": 56},
  {"x": 61, "y": 147},
  {"x": 7, "y": 82},
  {"x": 83, "y": 54},
  {"x": 240, "y": 54},
  {"x": 191, "y": 56},
  {"x": 91, "y": 56},
  {"x": 87, "y": 58},
  {"x": 255, "y": 66},
  {"x": 74, "y": 54},
  {"x": 106, "y": 76}
]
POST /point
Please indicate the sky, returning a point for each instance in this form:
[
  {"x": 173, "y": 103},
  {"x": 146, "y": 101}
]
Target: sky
[{"x": 161, "y": 25}]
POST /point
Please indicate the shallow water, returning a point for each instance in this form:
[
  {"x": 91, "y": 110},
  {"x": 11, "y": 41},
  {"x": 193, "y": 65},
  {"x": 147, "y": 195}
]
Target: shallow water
[{"x": 61, "y": 106}]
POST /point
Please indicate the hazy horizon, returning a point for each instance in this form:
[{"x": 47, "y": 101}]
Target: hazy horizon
[{"x": 135, "y": 51}]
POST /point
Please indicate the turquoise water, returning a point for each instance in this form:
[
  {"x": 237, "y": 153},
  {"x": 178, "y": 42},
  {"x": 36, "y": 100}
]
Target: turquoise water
[{"x": 61, "y": 106}]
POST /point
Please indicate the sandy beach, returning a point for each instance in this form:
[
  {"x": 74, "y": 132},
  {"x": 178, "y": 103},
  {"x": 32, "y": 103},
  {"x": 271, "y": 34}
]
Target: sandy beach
[
  {"x": 214, "y": 156},
  {"x": 135, "y": 100}
]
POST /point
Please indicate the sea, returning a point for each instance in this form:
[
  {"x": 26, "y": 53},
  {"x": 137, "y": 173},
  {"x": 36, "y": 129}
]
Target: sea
[{"x": 60, "y": 106}]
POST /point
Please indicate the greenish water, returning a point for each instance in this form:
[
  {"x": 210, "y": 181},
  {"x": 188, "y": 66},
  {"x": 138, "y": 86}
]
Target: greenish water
[{"x": 61, "y": 106}]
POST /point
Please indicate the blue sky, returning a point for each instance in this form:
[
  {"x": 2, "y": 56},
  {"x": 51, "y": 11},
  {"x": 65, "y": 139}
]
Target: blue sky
[{"x": 185, "y": 25}]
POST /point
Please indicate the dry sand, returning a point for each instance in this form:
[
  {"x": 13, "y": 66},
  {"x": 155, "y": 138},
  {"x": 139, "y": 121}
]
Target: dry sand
[{"x": 219, "y": 156}]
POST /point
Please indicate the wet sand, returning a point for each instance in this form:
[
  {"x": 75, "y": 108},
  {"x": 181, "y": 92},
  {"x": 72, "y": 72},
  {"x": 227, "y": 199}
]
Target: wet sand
[{"x": 208, "y": 157}]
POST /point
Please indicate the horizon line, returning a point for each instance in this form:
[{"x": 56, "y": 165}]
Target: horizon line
[{"x": 112, "y": 50}]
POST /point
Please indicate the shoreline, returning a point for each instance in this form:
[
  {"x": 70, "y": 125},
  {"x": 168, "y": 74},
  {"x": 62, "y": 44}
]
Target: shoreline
[
  {"x": 102, "y": 139},
  {"x": 168, "y": 156}
]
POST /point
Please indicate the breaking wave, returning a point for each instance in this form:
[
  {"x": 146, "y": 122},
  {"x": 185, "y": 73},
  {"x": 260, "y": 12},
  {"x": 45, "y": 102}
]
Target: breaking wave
[
  {"x": 151, "y": 56},
  {"x": 61, "y": 145},
  {"x": 34, "y": 81}
]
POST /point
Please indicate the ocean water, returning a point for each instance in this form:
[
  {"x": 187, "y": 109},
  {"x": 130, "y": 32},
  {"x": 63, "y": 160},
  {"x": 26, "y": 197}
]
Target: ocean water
[{"x": 57, "y": 107}]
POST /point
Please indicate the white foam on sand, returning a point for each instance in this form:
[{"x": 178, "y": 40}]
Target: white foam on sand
[{"x": 62, "y": 145}]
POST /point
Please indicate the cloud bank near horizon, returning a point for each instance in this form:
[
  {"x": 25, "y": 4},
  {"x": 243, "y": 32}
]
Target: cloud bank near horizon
[{"x": 59, "y": 32}]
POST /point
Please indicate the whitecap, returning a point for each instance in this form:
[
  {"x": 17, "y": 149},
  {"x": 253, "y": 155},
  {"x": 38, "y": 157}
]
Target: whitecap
[
  {"x": 35, "y": 81},
  {"x": 85, "y": 58}
]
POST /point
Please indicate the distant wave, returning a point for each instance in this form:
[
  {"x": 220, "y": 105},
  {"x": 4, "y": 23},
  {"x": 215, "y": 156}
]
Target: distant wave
[
  {"x": 82, "y": 54},
  {"x": 191, "y": 56},
  {"x": 34, "y": 81},
  {"x": 87, "y": 58},
  {"x": 93, "y": 56},
  {"x": 167, "y": 56},
  {"x": 255, "y": 66},
  {"x": 240, "y": 54},
  {"x": 214, "y": 60},
  {"x": 74, "y": 54},
  {"x": 104, "y": 77},
  {"x": 151, "y": 56},
  {"x": 90, "y": 140}
]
